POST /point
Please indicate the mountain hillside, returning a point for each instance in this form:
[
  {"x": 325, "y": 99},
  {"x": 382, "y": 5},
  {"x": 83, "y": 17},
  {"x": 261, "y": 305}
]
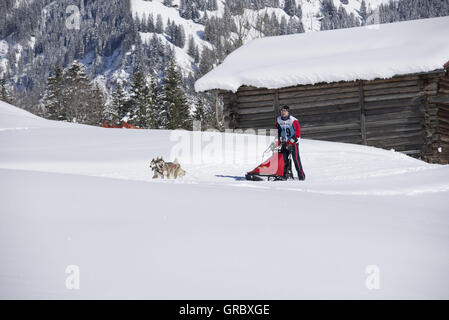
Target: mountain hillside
[{"x": 115, "y": 39}]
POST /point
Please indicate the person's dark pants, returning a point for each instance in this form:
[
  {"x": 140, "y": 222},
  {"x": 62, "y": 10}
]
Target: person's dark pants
[{"x": 294, "y": 150}]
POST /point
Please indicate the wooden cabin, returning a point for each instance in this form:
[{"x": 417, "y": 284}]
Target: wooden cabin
[{"x": 406, "y": 112}]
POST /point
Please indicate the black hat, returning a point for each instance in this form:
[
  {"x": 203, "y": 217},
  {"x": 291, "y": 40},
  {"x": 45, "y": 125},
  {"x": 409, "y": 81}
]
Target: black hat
[{"x": 285, "y": 107}]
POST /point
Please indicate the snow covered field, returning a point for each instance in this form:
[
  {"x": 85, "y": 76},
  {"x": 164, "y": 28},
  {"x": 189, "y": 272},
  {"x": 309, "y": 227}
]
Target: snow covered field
[{"x": 79, "y": 195}]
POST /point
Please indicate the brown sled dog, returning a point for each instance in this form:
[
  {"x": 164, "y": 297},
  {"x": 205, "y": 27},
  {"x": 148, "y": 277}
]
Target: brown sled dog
[{"x": 163, "y": 169}]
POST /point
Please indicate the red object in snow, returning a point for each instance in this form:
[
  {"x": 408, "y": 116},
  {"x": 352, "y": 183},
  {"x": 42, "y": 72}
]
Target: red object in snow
[
  {"x": 273, "y": 167},
  {"x": 122, "y": 125}
]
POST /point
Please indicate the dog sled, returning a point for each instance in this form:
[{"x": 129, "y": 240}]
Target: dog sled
[{"x": 272, "y": 169}]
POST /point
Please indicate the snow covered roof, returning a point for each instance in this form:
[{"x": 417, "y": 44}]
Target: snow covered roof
[{"x": 376, "y": 51}]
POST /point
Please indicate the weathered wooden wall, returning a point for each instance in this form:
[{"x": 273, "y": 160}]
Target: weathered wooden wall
[
  {"x": 408, "y": 113},
  {"x": 437, "y": 123}
]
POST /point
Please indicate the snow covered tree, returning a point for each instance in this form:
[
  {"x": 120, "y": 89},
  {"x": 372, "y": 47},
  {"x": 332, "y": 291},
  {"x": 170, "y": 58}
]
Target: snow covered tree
[
  {"x": 290, "y": 7},
  {"x": 203, "y": 113},
  {"x": 196, "y": 56},
  {"x": 4, "y": 92},
  {"x": 188, "y": 10},
  {"x": 82, "y": 100},
  {"x": 276, "y": 28},
  {"x": 53, "y": 100},
  {"x": 283, "y": 26},
  {"x": 193, "y": 50},
  {"x": 138, "y": 102},
  {"x": 76, "y": 94},
  {"x": 159, "y": 25},
  {"x": 137, "y": 21},
  {"x": 294, "y": 26},
  {"x": 175, "y": 99},
  {"x": 157, "y": 112},
  {"x": 71, "y": 96},
  {"x": 143, "y": 23},
  {"x": 206, "y": 61},
  {"x": 150, "y": 23},
  {"x": 96, "y": 106},
  {"x": 180, "y": 36},
  {"x": 191, "y": 47},
  {"x": 299, "y": 12},
  {"x": 334, "y": 18},
  {"x": 363, "y": 11},
  {"x": 119, "y": 104},
  {"x": 211, "y": 5}
]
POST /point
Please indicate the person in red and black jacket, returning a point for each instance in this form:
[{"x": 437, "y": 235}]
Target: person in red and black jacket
[{"x": 289, "y": 133}]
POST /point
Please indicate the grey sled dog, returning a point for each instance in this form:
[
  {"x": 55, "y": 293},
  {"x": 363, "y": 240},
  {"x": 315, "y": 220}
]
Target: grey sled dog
[{"x": 164, "y": 169}]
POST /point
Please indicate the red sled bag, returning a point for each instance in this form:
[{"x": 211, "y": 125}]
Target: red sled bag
[{"x": 272, "y": 169}]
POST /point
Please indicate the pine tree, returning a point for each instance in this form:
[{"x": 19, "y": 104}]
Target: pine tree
[
  {"x": 363, "y": 11},
  {"x": 170, "y": 30},
  {"x": 4, "y": 92},
  {"x": 191, "y": 47},
  {"x": 206, "y": 61},
  {"x": 275, "y": 25},
  {"x": 83, "y": 101},
  {"x": 180, "y": 36},
  {"x": 157, "y": 112},
  {"x": 119, "y": 104},
  {"x": 76, "y": 95},
  {"x": 283, "y": 26},
  {"x": 143, "y": 23},
  {"x": 159, "y": 24},
  {"x": 290, "y": 7},
  {"x": 211, "y": 5},
  {"x": 150, "y": 23},
  {"x": 53, "y": 100},
  {"x": 138, "y": 102},
  {"x": 203, "y": 113},
  {"x": 175, "y": 100},
  {"x": 196, "y": 55},
  {"x": 96, "y": 106},
  {"x": 294, "y": 26}
]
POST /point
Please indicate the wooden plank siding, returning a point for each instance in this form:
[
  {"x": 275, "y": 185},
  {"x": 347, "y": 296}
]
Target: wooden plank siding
[
  {"x": 408, "y": 113},
  {"x": 437, "y": 121}
]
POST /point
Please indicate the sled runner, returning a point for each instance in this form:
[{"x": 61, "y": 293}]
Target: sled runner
[{"x": 273, "y": 168}]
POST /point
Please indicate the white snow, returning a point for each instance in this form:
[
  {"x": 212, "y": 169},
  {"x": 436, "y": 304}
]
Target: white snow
[
  {"x": 156, "y": 7},
  {"x": 81, "y": 195},
  {"x": 311, "y": 10},
  {"x": 376, "y": 51},
  {"x": 251, "y": 17}
]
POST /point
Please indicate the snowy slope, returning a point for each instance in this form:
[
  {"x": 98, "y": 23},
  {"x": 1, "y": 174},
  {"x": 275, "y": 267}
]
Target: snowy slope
[
  {"x": 184, "y": 61},
  {"x": 336, "y": 55},
  {"x": 311, "y": 16},
  {"x": 80, "y": 195},
  {"x": 145, "y": 8}
]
